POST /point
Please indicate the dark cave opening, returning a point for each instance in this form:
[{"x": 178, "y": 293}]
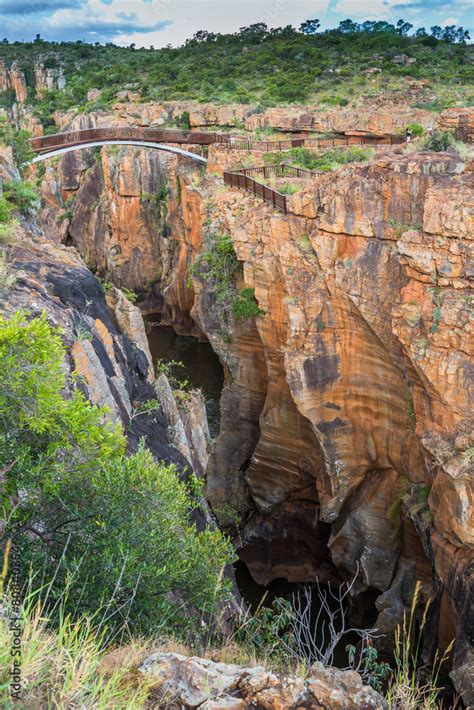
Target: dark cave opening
[{"x": 201, "y": 366}]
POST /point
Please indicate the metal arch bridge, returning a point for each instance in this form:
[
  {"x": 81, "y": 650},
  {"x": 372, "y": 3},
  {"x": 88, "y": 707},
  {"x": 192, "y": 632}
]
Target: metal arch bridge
[
  {"x": 141, "y": 144},
  {"x": 162, "y": 139}
]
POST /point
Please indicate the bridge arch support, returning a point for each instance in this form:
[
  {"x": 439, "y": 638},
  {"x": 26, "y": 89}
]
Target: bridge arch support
[{"x": 140, "y": 144}]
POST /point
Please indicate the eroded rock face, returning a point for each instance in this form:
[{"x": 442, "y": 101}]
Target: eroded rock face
[
  {"x": 114, "y": 369},
  {"x": 386, "y": 120},
  {"x": 366, "y": 340},
  {"x": 344, "y": 417},
  {"x": 459, "y": 120},
  {"x": 45, "y": 79},
  {"x": 183, "y": 682}
]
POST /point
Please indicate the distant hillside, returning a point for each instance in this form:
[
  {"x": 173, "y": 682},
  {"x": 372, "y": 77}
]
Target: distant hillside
[{"x": 337, "y": 67}]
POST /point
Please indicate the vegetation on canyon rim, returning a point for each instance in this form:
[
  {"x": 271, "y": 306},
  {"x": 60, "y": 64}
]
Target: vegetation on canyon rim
[{"x": 256, "y": 64}]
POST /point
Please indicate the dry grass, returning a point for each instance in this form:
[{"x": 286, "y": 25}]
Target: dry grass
[
  {"x": 406, "y": 692},
  {"x": 7, "y": 275},
  {"x": 10, "y": 233},
  {"x": 62, "y": 668}
]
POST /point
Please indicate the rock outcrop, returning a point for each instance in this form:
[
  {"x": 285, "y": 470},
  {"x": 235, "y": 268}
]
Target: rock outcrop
[
  {"x": 103, "y": 347},
  {"x": 182, "y": 682},
  {"x": 460, "y": 121},
  {"x": 14, "y": 78}
]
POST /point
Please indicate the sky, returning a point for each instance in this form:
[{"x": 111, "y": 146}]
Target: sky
[{"x": 161, "y": 22}]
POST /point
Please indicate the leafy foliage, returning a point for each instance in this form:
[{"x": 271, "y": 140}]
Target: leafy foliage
[
  {"x": 215, "y": 67},
  {"x": 22, "y": 196},
  {"x": 118, "y": 525},
  {"x": 312, "y": 160},
  {"x": 439, "y": 141},
  {"x": 416, "y": 129},
  {"x": 245, "y": 305},
  {"x": 5, "y": 210},
  {"x": 372, "y": 670},
  {"x": 217, "y": 266},
  {"x": 269, "y": 628},
  {"x": 17, "y": 140}
]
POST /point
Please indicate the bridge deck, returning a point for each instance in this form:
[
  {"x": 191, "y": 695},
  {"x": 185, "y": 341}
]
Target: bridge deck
[{"x": 123, "y": 133}]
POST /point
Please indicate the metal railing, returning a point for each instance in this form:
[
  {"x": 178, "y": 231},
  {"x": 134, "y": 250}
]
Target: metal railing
[
  {"x": 243, "y": 179},
  {"x": 326, "y": 142},
  {"x": 264, "y": 146},
  {"x": 169, "y": 135},
  {"x": 273, "y": 197},
  {"x": 280, "y": 170}
]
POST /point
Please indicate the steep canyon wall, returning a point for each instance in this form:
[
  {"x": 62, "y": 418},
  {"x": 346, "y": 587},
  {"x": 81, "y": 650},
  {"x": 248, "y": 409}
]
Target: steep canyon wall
[{"x": 344, "y": 427}]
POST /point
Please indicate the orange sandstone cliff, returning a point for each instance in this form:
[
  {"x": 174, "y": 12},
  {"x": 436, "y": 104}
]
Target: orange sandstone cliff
[{"x": 345, "y": 443}]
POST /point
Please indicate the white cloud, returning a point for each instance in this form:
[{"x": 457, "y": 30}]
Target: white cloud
[
  {"x": 189, "y": 16},
  {"x": 450, "y": 21},
  {"x": 120, "y": 13}
]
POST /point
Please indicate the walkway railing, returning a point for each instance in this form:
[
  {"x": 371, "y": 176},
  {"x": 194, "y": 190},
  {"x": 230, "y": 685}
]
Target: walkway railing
[
  {"x": 264, "y": 146},
  {"x": 53, "y": 141},
  {"x": 281, "y": 170},
  {"x": 237, "y": 143},
  {"x": 243, "y": 179}
]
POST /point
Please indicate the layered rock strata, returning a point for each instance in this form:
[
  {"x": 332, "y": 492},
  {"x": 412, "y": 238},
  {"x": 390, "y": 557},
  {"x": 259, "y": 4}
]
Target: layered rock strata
[{"x": 345, "y": 439}]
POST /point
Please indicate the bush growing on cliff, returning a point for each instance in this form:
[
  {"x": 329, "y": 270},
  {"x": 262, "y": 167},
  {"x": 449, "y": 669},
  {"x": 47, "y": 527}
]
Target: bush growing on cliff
[
  {"x": 245, "y": 305},
  {"x": 312, "y": 160},
  {"x": 21, "y": 196},
  {"x": 17, "y": 196},
  {"x": 18, "y": 141},
  {"x": 217, "y": 266},
  {"x": 439, "y": 141},
  {"x": 5, "y": 210},
  {"x": 78, "y": 508}
]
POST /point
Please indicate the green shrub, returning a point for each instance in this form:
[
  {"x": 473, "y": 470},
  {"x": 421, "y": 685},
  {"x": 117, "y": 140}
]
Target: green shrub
[
  {"x": 22, "y": 196},
  {"x": 217, "y": 266},
  {"x": 18, "y": 141},
  {"x": 416, "y": 129},
  {"x": 119, "y": 526},
  {"x": 311, "y": 160},
  {"x": 129, "y": 295},
  {"x": 5, "y": 210},
  {"x": 182, "y": 121},
  {"x": 245, "y": 305},
  {"x": 439, "y": 141},
  {"x": 288, "y": 188}
]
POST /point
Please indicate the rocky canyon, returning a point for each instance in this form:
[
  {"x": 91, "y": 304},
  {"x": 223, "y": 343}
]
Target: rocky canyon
[{"x": 345, "y": 442}]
